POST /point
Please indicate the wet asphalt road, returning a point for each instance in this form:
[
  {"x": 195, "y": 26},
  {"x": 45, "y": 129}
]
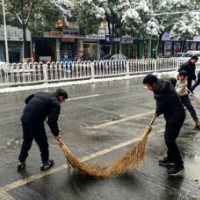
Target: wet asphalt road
[{"x": 90, "y": 124}]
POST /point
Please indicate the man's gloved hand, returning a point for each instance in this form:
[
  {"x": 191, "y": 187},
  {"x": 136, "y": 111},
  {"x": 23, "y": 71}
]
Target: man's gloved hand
[{"x": 57, "y": 137}]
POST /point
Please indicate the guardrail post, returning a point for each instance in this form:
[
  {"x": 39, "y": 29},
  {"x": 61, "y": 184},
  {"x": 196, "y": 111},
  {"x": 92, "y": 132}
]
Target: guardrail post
[
  {"x": 127, "y": 68},
  {"x": 92, "y": 70},
  {"x": 178, "y": 63},
  {"x": 155, "y": 65},
  {"x": 45, "y": 71}
]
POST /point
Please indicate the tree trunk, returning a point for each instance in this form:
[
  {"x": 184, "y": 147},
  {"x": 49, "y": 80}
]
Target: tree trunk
[
  {"x": 143, "y": 47},
  {"x": 158, "y": 45},
  {"x": 111, "y": 38},
  {"x": 120, "y": 44},
  {"x": 24, "y": 41},
  {"x": 183, "y": 46},
  {"x": 24, "y": 29}
]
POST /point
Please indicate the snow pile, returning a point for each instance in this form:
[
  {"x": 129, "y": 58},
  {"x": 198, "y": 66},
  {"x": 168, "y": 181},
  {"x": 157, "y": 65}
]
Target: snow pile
[{"x": 62, "y": 84}]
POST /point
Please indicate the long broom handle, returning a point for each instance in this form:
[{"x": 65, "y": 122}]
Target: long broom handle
[
  {"x": 152, "y": 120},
  {"x": 193, "y": 95}
]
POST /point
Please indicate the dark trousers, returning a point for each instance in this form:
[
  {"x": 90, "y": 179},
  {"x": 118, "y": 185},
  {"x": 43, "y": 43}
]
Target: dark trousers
[
  {"x": 195, "y": 85},
  {"x": 187, "y": 103},
  {"x": 189, "y": 85},
  {"x": 36, "y": 132},
  {"x": 171, "y": 133}
]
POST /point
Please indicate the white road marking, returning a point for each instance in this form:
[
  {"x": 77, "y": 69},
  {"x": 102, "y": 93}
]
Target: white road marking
[
  {"x": 83, "y": 97},
  {"x": 21, "y": 182},
  {"x": 124, "y": 119},
  {"x": 4, "y": 195}
]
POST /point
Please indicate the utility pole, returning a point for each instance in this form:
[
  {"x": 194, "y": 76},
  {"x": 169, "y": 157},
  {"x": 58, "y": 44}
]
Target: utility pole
[
  {"x": 149, "y": 45},
  {"x": 5, "y": 31}
]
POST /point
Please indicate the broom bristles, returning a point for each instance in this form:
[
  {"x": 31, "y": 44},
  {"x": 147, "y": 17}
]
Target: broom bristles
[
  {"x": 130, "y": 159},
  {"x": 126, "y": 162},
  {"x": 90, "y": 169}
]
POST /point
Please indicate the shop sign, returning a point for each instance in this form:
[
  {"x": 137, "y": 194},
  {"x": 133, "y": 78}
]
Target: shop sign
[
  {"x": 14, "y": 34},
  {"x": 196, "y": 38},
  {"x": 96, "y": 37},
  {"x": 127, "y": 39},
  {"x": 62, "y": 22},
  {"x": 115, "y": 39},
  {"x": 72, "y": 33},
  {"x": 67, "y": 40},
  {"x": 54, "y": 34},
  {"x": 166, "y": 36},
  {"x": 100, "y": 36}
]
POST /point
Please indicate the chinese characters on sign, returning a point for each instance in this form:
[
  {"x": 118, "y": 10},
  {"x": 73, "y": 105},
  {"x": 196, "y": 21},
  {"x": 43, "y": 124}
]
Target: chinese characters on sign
[
  {"x": 14, "y": 34},
  {"x": 11, "y": 33},
  {"x": 115, "y": 39},
  {"x": 127, "y": 39},
  {"x": 53, "y": 34},
  {"x": 98, "y": 37}
]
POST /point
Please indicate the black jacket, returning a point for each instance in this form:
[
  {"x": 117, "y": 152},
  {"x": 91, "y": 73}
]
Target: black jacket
[
  {"x": 42, "y": 105},
  {"x": 189, "y": 68},
  {"x": 198, "y": 75},
  {"x": 168, "y": 102}
]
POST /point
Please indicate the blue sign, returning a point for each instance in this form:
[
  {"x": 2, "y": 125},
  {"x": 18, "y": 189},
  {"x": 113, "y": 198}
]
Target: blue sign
[{"x": 115, "y": 39}]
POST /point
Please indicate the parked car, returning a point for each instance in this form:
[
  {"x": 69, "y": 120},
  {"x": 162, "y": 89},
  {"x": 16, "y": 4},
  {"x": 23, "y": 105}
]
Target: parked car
[
  {"x": 186, "y": 56},
  {"x": 166, "y": 56},
  {"x": 179, "y": 54},
  {"x": 114, "y": 57}
]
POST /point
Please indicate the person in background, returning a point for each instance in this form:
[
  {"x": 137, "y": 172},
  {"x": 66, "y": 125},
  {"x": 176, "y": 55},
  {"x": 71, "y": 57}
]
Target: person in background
[
  {"x": 190, "y": 68},
  {"x": 196, "y": 84},
  {"x": 181, "y": 89}
]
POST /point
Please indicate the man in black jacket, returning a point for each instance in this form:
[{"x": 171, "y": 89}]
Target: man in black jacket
[
  {"x": 190, "y": 68},
  {"x": 169, "y": 104},
  {"x": 196, "y": 83},
  {"x": 39, "y": 106}
]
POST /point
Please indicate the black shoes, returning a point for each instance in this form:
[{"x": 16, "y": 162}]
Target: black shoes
[
  {"x": 166, "y": 162},
  {"x": 197, "y": 125},
  {"x": 46, "y": 165},
  {"x": 21, "y": 165},
  {"x": 176, "y": 170}
]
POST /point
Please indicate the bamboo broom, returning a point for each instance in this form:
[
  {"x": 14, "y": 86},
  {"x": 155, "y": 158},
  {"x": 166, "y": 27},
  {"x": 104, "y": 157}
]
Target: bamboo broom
[
  {"x": 126, "y": 162},
  {"x": 92, "y": 170},
  {"x": 133, "y": 156},
  {"x": 194, "y": 96}
]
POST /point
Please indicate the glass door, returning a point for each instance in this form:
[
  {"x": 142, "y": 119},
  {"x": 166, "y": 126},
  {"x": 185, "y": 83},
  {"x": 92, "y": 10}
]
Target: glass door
[
  {"x": 133, "y": 51},
  {"x": 90, "y": 51}
]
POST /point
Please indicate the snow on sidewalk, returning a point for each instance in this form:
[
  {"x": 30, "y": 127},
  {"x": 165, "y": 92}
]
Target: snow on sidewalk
[{"x": 62, "y": 84}]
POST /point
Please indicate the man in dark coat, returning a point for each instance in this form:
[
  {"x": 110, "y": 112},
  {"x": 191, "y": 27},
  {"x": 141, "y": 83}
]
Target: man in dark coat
[
  {"x": 169, "y": 104},
  {"x": 196, "y": 83},
  {"x": 39, "y": 106},
  {"x": 190, "y": 68}
]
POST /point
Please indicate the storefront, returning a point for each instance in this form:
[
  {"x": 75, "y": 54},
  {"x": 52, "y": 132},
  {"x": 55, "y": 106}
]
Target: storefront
[
  {"x": 131, "y": 47},
  {"x": 15, "y": 44},
  {"x": 47, "y": 48},
  {"x": 170, "y": 47}
]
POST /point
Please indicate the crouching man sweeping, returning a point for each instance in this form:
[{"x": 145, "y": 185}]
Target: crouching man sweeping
[
  {"x": 181, "y": 89},
  {"x": 39, "y": 106},
  {"x": 169, "y": 104}
]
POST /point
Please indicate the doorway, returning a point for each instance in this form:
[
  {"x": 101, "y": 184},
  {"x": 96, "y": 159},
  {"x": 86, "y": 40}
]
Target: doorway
[
  {"x": 90, "y": 51},
  {"x": 133, "y": 51}
]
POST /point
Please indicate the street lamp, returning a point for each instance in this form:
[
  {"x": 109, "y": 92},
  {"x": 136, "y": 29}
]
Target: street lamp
[{"x": 5, "y": 30}]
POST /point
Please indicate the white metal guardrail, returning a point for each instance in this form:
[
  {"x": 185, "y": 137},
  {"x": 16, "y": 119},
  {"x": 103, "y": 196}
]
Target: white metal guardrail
[{"x": 33, "y": 73}]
